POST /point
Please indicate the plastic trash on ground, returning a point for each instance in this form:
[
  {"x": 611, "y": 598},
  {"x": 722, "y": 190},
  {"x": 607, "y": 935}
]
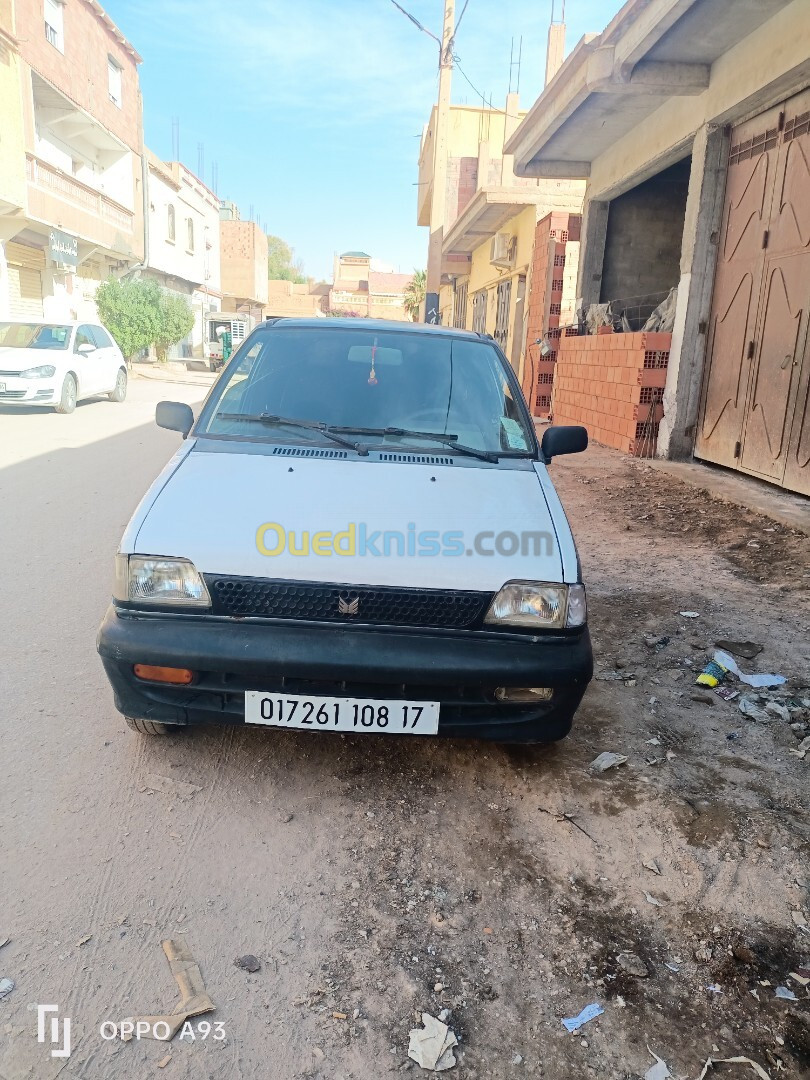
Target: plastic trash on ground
[
  {"x": 727, "y": 661},
  {"x": 711, "y": 1062},
  {"x": 658, "y": 1071},
  {"x": 431, "y": 1046},
  {"x": 194, "y": 999},
  {"x": 590, "y": 1012},
  {"x": 713, "y": 674},
  {"x": 605, "y": 761}
]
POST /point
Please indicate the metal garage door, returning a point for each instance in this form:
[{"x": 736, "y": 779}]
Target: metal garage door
[
  {"x": 756, "y": 403},
  {"x": 25, "y": 292}
]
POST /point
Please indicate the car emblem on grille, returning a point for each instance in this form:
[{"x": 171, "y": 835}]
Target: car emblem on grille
[{"x": 348, "y": 607}]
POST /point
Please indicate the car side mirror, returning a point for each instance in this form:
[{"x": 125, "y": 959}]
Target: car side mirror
[
  {"x": 174, "y": 415},
  {"x": 565, "y": 439},
  {"x": 85, "y": 349}
]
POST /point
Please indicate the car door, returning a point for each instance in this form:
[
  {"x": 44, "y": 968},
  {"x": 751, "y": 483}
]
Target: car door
[
  {"x": 89, "y": 362},
  {"x": 109, "y": 359}
]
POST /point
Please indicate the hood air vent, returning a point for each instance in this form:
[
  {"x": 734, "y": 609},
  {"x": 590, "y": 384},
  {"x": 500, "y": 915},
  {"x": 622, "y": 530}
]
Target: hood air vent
[
  {"x": 417, "y": 459},
  {"x": 307, "y": 451}
]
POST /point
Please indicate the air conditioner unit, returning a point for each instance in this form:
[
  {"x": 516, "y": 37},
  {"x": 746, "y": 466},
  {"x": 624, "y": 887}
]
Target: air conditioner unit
[{"x": 503, "y": 252}]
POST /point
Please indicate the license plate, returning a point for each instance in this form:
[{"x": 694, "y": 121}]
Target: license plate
[
  {"x": 363, "y": 715},
  {"x": 2, "y": 388}
]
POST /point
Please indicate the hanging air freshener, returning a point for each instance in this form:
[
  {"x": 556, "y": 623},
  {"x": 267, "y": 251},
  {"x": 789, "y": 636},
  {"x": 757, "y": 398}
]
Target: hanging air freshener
[{"x": 372, "y": 375}]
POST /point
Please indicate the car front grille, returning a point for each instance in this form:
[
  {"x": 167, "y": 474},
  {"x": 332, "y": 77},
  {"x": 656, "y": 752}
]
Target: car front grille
[
  {"x": 12, "y": 395},
  {"x": 309, "y": 601}
]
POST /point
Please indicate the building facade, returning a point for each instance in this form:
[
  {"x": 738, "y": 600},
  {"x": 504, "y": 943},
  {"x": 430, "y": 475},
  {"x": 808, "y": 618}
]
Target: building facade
[
  {"x": 183, "y": 243},
  {"x": 243, "y": 265},
  {"x": 72, "y": 173},
  {"x": 689, "y": 121},
  {"x": 359, "y": 290},
  {"x": 490, "y": 223},
  {"x": 287, "y": 299}
]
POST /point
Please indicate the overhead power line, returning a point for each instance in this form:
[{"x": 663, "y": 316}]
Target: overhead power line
[{"x": 416, "y": 22}]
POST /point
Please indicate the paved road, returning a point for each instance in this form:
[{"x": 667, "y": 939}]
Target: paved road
[{"x": 376, "y": 878}]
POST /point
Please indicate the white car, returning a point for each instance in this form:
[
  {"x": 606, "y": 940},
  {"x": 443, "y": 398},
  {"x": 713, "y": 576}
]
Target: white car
[
  {"x": 358, "y": 534},
  {"x": 58, "y": 364}
]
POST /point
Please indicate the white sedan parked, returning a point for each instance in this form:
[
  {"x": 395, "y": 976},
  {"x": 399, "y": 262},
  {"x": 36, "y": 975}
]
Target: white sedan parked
[{"x": 46, "y": 363}]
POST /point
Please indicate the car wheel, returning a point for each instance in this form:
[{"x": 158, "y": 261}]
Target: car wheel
[
  {"x": 149, "y": 727},
  {"x": 67, "y": 402},
  {"x": 119, "y": 393}
]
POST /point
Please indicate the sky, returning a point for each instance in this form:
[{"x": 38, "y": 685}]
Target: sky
[{"x": 313, "y": 110}]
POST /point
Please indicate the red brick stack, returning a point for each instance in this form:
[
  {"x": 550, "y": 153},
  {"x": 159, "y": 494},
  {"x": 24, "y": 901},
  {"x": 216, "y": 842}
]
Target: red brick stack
[
  {"x": 545, "y": 298},
  {"x": 614, "y": 385}
]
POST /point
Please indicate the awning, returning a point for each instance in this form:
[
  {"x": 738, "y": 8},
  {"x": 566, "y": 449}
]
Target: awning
[
  {"x": 486, "y": 213},
  {"x": 652, "y": 50}
]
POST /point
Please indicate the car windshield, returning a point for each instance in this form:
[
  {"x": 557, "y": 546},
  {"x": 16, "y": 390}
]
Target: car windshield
[
  {"x": 14, "y": 335},
  {"x": 364, "y": 381}
]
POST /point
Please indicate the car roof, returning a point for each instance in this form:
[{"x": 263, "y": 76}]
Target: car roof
[{"x": 370, "y": 324}]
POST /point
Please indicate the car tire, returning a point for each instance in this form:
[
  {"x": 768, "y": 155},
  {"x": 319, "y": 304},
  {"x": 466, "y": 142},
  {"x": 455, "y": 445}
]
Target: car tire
[
  {"x": 67, "y": 402},
  {"x": 119, "y": 391},
  {"x": 149, "y": 727}
]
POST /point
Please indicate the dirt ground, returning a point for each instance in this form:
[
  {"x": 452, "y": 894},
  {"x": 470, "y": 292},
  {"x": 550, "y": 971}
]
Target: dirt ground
[{"x": 378, "y": 878}]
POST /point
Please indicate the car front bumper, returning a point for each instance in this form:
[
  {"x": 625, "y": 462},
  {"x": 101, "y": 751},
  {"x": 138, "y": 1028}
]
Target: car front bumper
[
  {"x": 460, "y": 670},
  {"x": 27, "y": 391}
]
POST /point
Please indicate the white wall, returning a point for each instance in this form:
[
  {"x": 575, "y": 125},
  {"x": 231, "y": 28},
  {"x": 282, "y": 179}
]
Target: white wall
[
  {"x": 200, "y": 266},
  {"x": 109, "y": 172}
]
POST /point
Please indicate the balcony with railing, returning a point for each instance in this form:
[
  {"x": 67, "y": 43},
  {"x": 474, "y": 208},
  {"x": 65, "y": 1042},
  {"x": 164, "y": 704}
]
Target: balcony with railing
[{"x": 52, "y": 180}]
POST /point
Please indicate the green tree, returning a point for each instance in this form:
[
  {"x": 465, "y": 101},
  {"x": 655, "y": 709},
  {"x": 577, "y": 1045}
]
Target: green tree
[
  {"x": 415, "y": 293},
  {"x": 176, "y": 320},
  {"x": 130, "y": 310},
  {"x": 282, "y": 264}
]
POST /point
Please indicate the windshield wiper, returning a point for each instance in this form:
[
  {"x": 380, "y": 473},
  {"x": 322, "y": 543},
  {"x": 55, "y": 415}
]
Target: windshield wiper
[
  {"x": 436, "y": 436},
  {"x": 392, "y": 431},
  {"x": 452, "y": 442},
  {"x": 285, "y": 421}
]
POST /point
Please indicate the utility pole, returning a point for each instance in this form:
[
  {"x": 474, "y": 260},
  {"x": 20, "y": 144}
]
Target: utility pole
[{"x": 440, "y": 149}]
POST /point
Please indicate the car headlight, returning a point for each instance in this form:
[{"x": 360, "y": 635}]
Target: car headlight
[
  {"x": 146, "y": 579},
  {"x": 45, "y": 371},
  {"x": 537, "y": 606}
]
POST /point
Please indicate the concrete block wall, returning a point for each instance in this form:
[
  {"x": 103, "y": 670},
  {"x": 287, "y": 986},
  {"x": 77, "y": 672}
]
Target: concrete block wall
[
  {"x": 467, "y": 183},
  {"x": 613, "y": 384}
]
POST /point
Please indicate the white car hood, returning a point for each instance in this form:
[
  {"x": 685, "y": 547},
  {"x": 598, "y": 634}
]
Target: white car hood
[
  {"x": 20, "y": 359},
  {"x": 207, "y": 507}
]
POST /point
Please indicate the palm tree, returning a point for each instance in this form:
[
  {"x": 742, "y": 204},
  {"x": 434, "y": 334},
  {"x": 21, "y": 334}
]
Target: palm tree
[{"x": 415, "y": 293}]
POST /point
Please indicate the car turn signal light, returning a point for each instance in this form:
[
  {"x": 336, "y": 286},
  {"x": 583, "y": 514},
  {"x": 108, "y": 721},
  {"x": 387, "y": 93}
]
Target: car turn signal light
[{"x": 178, "y": 675}]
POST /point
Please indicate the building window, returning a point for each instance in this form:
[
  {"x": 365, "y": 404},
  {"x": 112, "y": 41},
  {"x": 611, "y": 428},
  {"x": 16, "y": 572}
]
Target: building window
[
  {"x": 114, "y": 81},
  {"x": 190, "y": 234},
  {"x": 460, "y": 307},
  {"x": 480, "y": 312},
  {"x": 502, "y": 313},
  {"x": 170, "y": 227},
  {"x": 55, "y": 24}
]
